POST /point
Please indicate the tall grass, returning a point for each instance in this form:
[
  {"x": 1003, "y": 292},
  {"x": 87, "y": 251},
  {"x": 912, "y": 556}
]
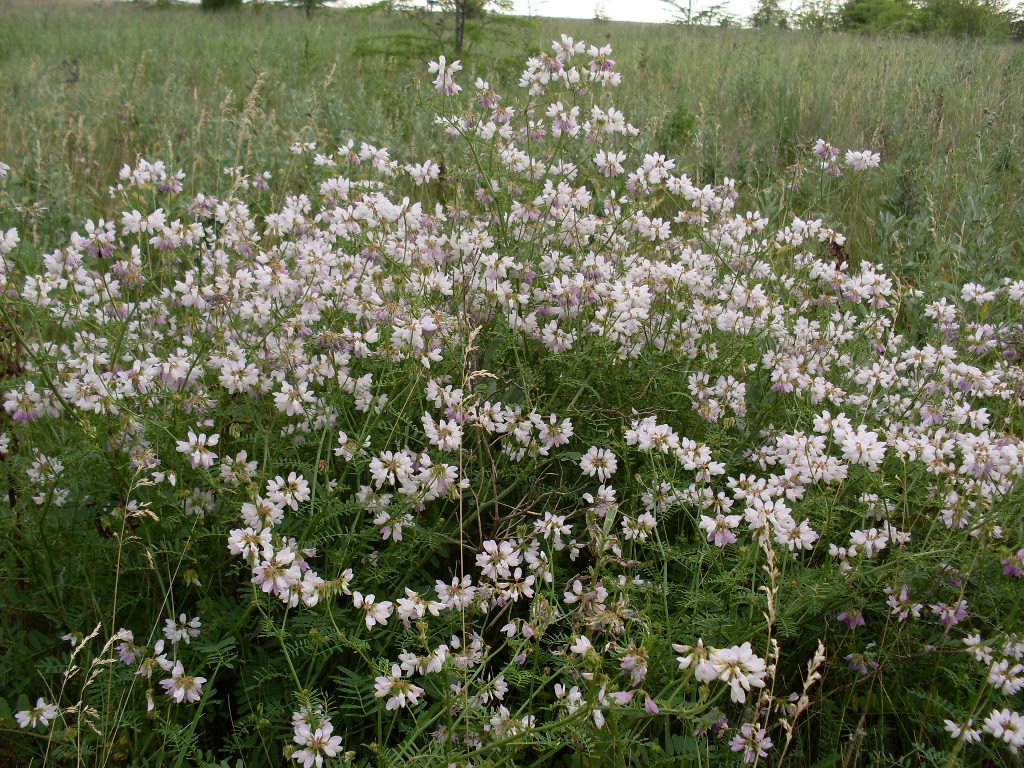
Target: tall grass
[
  {"x": 86, "y": 89},
  {"x": 517, "y": 343}
]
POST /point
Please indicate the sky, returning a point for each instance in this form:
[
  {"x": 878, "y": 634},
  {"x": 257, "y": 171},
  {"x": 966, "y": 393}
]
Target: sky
[
  {"x": 651, "y": 11},
  {"x": 619, "y": 10}
]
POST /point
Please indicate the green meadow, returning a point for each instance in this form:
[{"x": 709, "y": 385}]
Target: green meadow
[
  {"x": 86, "y": 89},
  {"x": 493, "y": 357}
]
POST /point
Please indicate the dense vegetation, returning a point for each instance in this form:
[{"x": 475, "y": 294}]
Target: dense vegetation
[
  {"x": 87, "y": 90},
  {"x": 956, "y": 18},
  {"x": 360, "y": 409}
]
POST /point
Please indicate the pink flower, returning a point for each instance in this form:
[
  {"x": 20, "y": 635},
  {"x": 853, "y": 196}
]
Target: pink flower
[
  {"x": 852, "y": 618},
  {"x": 1013, "y": 566},
  {"x": 752, "y": 741},
  {"x": 720, "y": 528},
  {"x": 445, "y": 82},
  {"x": 198, "y": 449},
  {"x": 41, "y": 714},
  {"x": 400, "y": 692},
  {"x": 182, "y": 687}
]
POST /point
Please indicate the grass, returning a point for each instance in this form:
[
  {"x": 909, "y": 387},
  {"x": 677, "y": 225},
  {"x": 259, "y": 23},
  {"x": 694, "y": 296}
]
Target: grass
[
  {"x": 84, "y": 90},
  {"x": 87, "y": 89}
]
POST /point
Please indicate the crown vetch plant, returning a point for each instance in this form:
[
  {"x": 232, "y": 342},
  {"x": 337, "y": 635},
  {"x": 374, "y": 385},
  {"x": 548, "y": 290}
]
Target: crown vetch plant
[{"x": 533, "y": 452}]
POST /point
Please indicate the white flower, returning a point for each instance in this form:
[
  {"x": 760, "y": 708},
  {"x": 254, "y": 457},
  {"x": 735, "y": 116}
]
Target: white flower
[
  {"x": 862, "y": 446},
  {"x": 288, "y": 493},
  {"x": 316, "y": 744},
  {"x": 571, "y": 699},
  {"x": 349, "y": 447},
  {"x": 740, "y": 668},
  {"x": 459, "y": 594},
  {"x": 158, "y": 659},
  {"x": 444, "y": 82},
  {"x": 262, "y": 513},
  {"x": 976, "y": 293},
  {"x": 376, "y": 613},
  {"x": 609, "y": 163},
  {"x": 870, "y": 541},
  {"x": 250, "y": 543},
  {"x": 600, "y": 462},
  {"x": 692, "y": 656},
  {"x": 444, "y": 434},
  {"x": 977, "y": 648},
  {"x": 292, "y": 401},
  {"x": 498, "y": 560},
  {"x": 391, "y": 468},
  {"x": 413, "y": 606},
  {"x": 965, "y": 732},
  {"x": 553, "y": 527},
  {"x": 400, "y": 692},
  {"x": 184, "y": 629},
  {"x": 182, "y": 687},
  {"x": 1007, "y": 725},
  {"x": 863, "y": 159},
  {"x": 582, "y": 646},
  {"x": 198, "y": 449},
  {"x": 41, "y": 714},
  {"x": 392, "y": 523},
  {"x": 793, "y": 536}
]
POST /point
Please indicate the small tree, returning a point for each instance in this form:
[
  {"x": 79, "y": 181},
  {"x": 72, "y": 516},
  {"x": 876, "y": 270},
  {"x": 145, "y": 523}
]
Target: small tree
[
  {"x": 307, "y": 5},
  {"x": 769, "y": 13},
  {"x": 817, "y": 14},
  {"x": 218, "y": 5},
  {"x": 462, "y": 12},
  {"x": 449, "y": 20},
  {"x": 712, "y": 15},
  {"x": 879, "y": 15},
  {"x": 965, "y": 18}
]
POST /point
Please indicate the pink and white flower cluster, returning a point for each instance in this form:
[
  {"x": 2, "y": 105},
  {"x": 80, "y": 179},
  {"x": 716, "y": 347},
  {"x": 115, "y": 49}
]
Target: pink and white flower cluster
[{"x": 369, "y": 394}]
